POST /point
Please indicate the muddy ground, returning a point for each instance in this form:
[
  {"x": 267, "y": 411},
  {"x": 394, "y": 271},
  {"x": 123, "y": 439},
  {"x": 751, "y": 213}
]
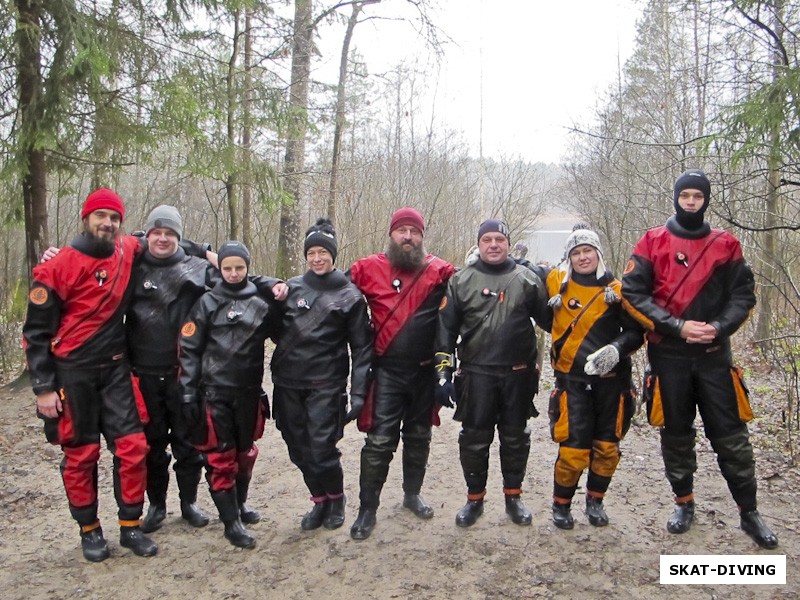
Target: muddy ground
[{"x": 405, "y": 557}]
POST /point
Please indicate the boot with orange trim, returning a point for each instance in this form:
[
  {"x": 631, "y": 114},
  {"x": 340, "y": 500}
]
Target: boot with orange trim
[
  {"x": 515, "y": 508},
  {"x": 683, "y": 515},
  {"x": 562, "y": 516},
  {"x": 469, "y": 513},
  {"x": 93, "y": 544},
  {"x": 594, "y": 509},
  {"x": 132, "y": 537}
]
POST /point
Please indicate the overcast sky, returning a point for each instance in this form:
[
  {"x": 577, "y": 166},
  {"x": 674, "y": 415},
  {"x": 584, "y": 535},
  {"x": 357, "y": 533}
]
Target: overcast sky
[{"x": 538, "y": 65}]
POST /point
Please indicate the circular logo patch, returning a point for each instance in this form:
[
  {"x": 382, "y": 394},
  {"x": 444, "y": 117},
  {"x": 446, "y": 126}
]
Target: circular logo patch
[
  {"x": 630, "y": 266},
  {"x": 189, "y": 329},
  {"x": 38, "y": 295}
]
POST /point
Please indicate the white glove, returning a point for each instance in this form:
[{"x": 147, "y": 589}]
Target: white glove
[{"x": 602, "y": 361}]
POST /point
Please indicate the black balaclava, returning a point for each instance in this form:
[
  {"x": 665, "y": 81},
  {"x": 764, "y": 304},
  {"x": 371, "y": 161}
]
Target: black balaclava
[{"x": 692, "y": 179}]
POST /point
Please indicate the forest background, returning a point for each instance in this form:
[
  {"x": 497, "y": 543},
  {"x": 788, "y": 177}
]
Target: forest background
[{"x": 213, "y": 106}]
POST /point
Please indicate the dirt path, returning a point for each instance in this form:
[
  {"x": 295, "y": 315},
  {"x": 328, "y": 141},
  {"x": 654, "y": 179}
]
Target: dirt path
[{"x": 405, "y": 557}]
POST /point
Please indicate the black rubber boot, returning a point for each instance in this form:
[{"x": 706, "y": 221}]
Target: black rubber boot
[
  {"x": 469, "y": 513},
  {"x": 314, "y": 518},
  {"x": 753, "y": 525},
  {"x": 335, "y": 517},
  {"x": 134, "y": 539},
  {"x": 237, "y": 535},
  {"x": 154, "y": 518},
  {"x": 248, "y": 515},
  {"x": 364, "y": 524},
  {"x": 682, "y": 517},
  {"x": 228, "y": 508},
  {"x": 595, "y": 511},
  {"x": 94, "y": 546},
  {"x": 193, "y": 514},
  {"x": 562, "y": 516},
  {"x": 416, "y": 504},
  {"x": 517, "y": 510}
]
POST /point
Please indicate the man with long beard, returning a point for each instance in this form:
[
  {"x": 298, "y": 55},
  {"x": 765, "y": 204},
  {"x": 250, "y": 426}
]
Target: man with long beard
[
  {"x": 403, "y": 287},
  {"x": 74, "y": 341}
]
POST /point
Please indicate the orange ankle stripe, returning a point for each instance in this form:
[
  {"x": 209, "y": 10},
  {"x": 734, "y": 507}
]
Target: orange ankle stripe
[
  {"x": 135, "y": 523},
  {"x": 562, "y": 500},
  {"x": 683, "y": 499},
  {"x": 512, "y": 492},
  {"x": 95, "y": 525},
  {"x": 478, "y": 496}
]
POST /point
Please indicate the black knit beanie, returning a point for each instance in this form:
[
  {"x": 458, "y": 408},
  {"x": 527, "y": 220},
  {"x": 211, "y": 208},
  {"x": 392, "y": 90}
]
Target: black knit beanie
[
  {"x": 233, "y": 248},
  {"x": 494, "y": 226},
  {"x": 322, "y": 234}
]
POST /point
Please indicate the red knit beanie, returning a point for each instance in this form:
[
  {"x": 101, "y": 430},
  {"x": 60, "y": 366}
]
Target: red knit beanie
[
  {"x": 407, "y": 216},
  {"x": 103, "y": 198}
]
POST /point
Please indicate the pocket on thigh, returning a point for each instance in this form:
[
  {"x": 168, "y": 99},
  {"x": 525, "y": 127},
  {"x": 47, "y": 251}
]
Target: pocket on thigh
[
  {"x": 558, "y": 412},
  {"x": 742, "y": 395}
]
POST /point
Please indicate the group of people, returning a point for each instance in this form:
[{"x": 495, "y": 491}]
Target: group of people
[{"x": 155, "y": 342}]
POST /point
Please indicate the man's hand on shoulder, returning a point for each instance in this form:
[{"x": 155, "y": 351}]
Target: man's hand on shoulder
[{"x": 50, "y": 253}]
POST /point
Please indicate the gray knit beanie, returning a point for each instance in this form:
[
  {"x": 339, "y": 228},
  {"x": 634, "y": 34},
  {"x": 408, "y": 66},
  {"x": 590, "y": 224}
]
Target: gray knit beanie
[{"x": 164, "y": 216}]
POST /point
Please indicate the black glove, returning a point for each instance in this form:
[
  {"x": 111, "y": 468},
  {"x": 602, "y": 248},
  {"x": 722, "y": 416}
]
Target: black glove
[
  {"x": 191, "y": 412},
  {"x": 264, "y": 400},
  {"x": 356, "y": 406},
  {"x": 444, "y": 392}
]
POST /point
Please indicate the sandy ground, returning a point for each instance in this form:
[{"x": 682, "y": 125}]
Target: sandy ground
[{"x": 405, "y": 557}]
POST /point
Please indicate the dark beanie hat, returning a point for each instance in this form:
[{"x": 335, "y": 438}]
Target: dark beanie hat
[
  {"x": 321, "y": 234},
  {"x": 693, "y": 179},
  {"x": 103, "y": 198},
  {"x": 165, "y": 216},
  {"x": 407, "y": 216},
  {"x": 494, "y": 226},
  {"x": 233, "y": 248}
]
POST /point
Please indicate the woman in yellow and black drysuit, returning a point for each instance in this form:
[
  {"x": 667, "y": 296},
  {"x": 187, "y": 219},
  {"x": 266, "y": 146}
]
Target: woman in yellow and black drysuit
[{"x": 591, "y": 406}]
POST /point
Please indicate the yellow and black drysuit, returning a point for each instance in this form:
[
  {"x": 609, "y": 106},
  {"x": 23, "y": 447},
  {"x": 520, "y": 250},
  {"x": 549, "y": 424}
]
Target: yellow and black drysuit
[{"x": 589, "y": 414}]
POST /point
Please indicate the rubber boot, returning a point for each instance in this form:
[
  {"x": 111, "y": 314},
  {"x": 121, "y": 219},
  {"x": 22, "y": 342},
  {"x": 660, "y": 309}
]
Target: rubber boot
[
  {"x": 335, "y": 517},
  {"x": 416, "y": 504},
  {"x": 228, "y": 508},
  {"x": 469, "y": 513},
  {"x": 682, "y": 517},
  {"x": 562, "y": 515},
  {"x": 191, "y": 513},
  {"x": 314, "y": 518},
  {"x": 188, "y": 478},
  {"x": 237, "y": 535},
  {"x": 364, "y": 523},
  {"x": 93, "y": 544},
  {"x": 133, "y": 538},
  {"x": 595, "y": 511},
  {"x": 154, "y": 519},
  {"x": 517, "y": 510},
  {"x": 753, "y": 525},
  {"x": 248, "y": 515}
]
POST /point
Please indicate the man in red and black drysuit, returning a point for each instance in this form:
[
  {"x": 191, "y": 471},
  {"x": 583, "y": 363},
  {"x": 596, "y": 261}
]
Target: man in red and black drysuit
[
  {"x": 403, "y": 287},
  {"x": 74, "y": 341},
  {"x": 691, "y": 288}
]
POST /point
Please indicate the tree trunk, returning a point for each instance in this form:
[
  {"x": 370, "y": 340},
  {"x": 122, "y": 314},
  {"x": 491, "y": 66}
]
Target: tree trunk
[
  {"x": 230, "y": 159},
  {"x": 288, "y": 240},
  {"x": 772, "y": 210},
  {"x": 34, "y": 179},
  {"x": 340, "y": 108},
  {"x": 247, "y": 186}
]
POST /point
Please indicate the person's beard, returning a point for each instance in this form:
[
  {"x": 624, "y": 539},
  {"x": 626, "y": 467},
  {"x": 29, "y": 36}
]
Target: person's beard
[
  {"x": 405, "y": 260},
  {"x": 100, "y": 245}
]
